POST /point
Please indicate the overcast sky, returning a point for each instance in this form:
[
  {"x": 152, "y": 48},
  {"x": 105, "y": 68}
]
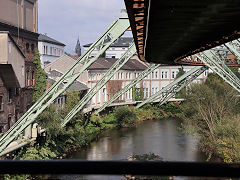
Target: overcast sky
[{"x": 65, "y": 20}]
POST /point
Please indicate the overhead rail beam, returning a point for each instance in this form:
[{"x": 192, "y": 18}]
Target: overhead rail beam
[
  {"x": 112, "y": 34},
  {"x": 128, "y": 87},
  {"x": 170, "y": 90},
  {"x": 106, "y": 77}
]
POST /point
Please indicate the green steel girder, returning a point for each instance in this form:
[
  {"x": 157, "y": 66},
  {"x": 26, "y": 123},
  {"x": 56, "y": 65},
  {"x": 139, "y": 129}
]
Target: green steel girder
[
  {"x": 128, "y": 87},
  {"x": 107, "y": 76},
  {"x": 232, "y": 48},
  {"x": 112, "y": 33},
  {"x": 217, "y": 65},
  {"x": 171, "y": 89}
]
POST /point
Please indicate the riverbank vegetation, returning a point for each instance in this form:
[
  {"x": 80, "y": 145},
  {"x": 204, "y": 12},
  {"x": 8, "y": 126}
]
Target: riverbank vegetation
[{"x": 211, "y": 111}]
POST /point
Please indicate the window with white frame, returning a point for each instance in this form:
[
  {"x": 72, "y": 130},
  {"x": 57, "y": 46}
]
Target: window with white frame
[
  {"x": 118, "y": 75},
  {"x": 146, "y": 92},
  {"x": 135, "y": 75},
  {"x": 156, "y": 90},
  {"x": 156, "y": 74},
  {"x": 121, "y": 75},
  {"x": 162, "y": 74},
  {"x": 152, "y": 91},
  {"x": 166, "y": 74},
  {"x": 93, "y": 76},
  {"x": 104, "y": 94},
  {"x": 173, "y": 74},
  {"x": 89, "y": 76},
  {"x": 126, "y": 75},
  {"x": 152, "y": 75},
  {"x": 129, "y": 75}
]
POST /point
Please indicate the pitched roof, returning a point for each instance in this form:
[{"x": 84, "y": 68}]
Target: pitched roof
[
  {"x": 106, "y": 63},
  {"x": 120, "y": 42},
  {"x": 45, "y": 38}
]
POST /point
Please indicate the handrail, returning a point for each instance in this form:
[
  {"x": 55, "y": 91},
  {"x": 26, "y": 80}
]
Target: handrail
[{"x": 200, "y": 169}]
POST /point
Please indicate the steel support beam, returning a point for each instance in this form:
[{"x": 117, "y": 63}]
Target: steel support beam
[
  {"x": 170, "y": 90},
  {"x": 128, "y": 87},
  {"x": 107, "y": 76},
  {"x": 217, "y": 65},
  {"x": 112, "y": 34}
]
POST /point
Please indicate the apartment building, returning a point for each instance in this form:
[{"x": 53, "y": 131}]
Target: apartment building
[
  {"x": 19, "y": 38},
  {"x": 49, "y": 48}
]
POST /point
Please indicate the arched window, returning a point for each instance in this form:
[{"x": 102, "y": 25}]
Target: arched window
[
  {"x": 32, "y": 79},
  {"x": 27, "y": 47},
  {"x": 32, "y": 47}
]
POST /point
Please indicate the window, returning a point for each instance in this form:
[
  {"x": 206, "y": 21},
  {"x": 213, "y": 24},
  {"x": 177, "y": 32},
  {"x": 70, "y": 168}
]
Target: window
[
  {"x": 32, "y": 78},
  {"x": 32, "y": 47},
  {"x": 135, "y": 75},
  {"x": 10, "y": 95},
  {"x": 205, "y": 73},
  {"x": 93, "y": 77},
  {"x": 129, "y": 76},
  {"x": 156, "y": 74},
  {"x": 166, "y": 74},
  {"x": 121, "y": 75},
  {"x": 104, "y": 94},
  {"x": 126, "y": 75},
  {"x": 118, "y": 75},
  {"x": 173, "y": 74},
  {"x": 1, "y": 103},
  {"x": 162, "y": 74},
  {"x": 152, "y": 91},
  {"x": 152, "y": 75},
  {"x": 156, "y": 90},
  {"x": 28, "y": 78},
  {"x": 89, "y": 76},
  {"x": 113, "y": 56},
  {"x": 27, "y": 47},
  {"x": 146, "y": 92}
]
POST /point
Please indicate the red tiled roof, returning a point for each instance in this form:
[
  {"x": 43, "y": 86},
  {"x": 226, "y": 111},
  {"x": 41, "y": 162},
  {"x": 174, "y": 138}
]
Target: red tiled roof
[{"x": 106, "y": 63}]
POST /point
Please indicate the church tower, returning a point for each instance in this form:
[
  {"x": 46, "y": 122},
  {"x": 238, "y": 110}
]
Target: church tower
[{"x": 78, "y": 48}]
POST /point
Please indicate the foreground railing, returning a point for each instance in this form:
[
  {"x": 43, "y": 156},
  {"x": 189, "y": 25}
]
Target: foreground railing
[{"x": 120, "y": 168}]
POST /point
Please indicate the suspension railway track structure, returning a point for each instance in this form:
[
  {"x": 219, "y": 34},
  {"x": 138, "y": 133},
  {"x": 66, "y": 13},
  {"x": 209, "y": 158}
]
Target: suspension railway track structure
[{"x": 165, "y": 32}]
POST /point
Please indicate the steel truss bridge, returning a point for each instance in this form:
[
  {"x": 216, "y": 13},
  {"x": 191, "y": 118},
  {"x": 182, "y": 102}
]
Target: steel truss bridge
[{"x": 141, "y": 15}]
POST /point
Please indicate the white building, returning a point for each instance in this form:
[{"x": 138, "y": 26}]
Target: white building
[
  {"x": 50, "y": 49},
  {"x": 116, "y": 50}
]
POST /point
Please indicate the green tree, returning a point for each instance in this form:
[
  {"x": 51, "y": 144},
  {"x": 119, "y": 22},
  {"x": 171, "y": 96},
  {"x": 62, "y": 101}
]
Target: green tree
[
  {"x": 137, "y": 94},
  {"x": 211, "y": 111},
  {"x": 40, "y": 80}
]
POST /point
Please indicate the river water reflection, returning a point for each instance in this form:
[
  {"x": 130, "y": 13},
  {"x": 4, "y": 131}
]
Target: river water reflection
[{"x": 160, "y": 137}]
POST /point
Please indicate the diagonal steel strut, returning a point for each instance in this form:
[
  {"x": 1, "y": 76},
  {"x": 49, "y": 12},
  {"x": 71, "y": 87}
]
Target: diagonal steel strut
[
  {"x": 217, "y": 65},
  {"x": 112, "y": 33},
  {"x": 129, "y": 86},
  {"x": 107, "y": 76},
  {"x": 170, "y": 90}
]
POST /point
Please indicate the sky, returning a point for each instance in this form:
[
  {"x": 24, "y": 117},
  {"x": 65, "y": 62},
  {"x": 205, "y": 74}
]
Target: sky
[{"x": 66, "y": 20}]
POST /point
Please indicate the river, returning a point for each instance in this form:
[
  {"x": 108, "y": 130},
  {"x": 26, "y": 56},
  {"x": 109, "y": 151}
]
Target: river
[{"x": 160, "y": 137}]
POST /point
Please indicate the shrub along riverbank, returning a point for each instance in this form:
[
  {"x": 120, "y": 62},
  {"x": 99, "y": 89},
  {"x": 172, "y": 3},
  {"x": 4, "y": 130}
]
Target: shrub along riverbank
[
  {"x": 59, "y": 141},
  {"x": 212, "y": 111}
]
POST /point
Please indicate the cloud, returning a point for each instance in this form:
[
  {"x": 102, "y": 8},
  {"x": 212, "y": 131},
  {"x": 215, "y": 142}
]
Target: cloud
[{"x": 66, "y": 20}]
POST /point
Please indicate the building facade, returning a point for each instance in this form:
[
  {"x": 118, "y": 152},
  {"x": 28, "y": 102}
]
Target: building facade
[
  {"x": 19, "y": 20},
  {"x": 116, "y": 50},
  {"x": 49, "y": 48}
]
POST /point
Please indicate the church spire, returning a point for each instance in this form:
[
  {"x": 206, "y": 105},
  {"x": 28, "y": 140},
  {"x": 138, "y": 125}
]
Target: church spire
[{"x": 78, "y": 48}]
